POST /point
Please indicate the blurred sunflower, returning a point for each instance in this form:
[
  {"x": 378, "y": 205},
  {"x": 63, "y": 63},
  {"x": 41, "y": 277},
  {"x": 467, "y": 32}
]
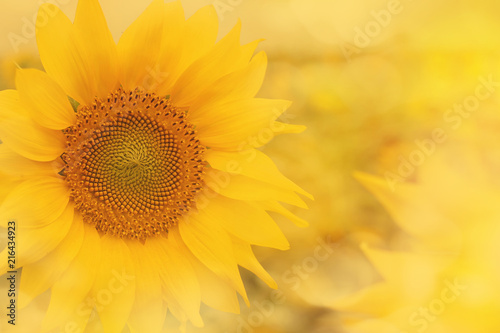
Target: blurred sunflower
[
  {"x": 439, "y": 275},
  {"x": 131, "y": 169}
]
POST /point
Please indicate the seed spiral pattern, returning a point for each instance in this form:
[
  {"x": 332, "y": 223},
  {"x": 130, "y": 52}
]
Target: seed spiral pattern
[{"x": 133, "y": 164}]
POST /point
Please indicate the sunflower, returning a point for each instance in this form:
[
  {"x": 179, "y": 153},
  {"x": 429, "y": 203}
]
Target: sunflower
[
  {"x": 442, "y": 277},
  {"x": 131, "y": 169}
]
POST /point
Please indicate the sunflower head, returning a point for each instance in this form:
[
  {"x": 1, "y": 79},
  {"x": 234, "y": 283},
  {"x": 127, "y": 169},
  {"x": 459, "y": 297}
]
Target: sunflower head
[
  {"x": 133, "y": 198},
  {"x": 134, "y": 164}
]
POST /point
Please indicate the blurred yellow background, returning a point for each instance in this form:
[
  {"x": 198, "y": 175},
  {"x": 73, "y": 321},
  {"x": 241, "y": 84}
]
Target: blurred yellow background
[{"x": 373, "y": 81}]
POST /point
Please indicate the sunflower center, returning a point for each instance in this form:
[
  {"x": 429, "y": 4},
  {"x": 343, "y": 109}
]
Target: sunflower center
[{"x": 134, "y": 164}]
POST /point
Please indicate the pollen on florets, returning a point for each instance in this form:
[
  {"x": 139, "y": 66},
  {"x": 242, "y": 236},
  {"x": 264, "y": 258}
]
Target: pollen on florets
[{"x": 134, "y": 164}]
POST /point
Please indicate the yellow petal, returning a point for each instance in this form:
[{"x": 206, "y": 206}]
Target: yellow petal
[
  {"x": 21, "y": 134},
  {"x": 36, "y": 202},
  {"x": 254, "y": 164},
  {"x": 276, "y": 207},
  {"x": 215, "y": 291},
  {"x": 8, "y": 184},
  {"x": 76, "y": 321},
  {"x": 139, "y": 47},
  {"x": 211, "y": 244},
  {"x": 98, "y": 47},
  {"x": 181, "y": 50},
  {"x": 149, "y": 326},
  {"x": 69, "y": 306},
  {"x": 62, "y": 55},
  {"x": 21, "y": 168},
  {"x": 31, "y": 140},
  {"x": 46, "y": 102},
  {"x": 241, "y": 84},
  {"x": 245, "y": 257},
  {"x": 277, "y": 129},
  {"x": 35, "y": 312},
  {"x": 413, "y": 212},
  {"x": 37, "y": 278},
  {"x": 179, "y": 282},
  {"x": 226, "y": 57},
  {"x": 199, "y": 41},
  {"x": 115, "y": 284},
  {"x": 246, "y": 222},
  {"x": 240, "y": 124},
  {"x": 34, "y": 244},
  {"x": 167, "y": 69},
  {"x": 415, "y": 273},
  {"x": 9, "y": 105},
  {"x": 148, "y": 312},
  {"x": 244, "y": 188}
]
